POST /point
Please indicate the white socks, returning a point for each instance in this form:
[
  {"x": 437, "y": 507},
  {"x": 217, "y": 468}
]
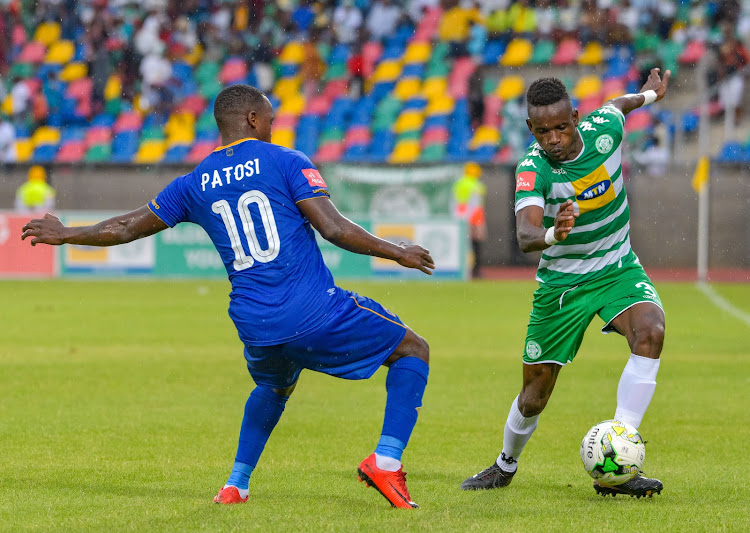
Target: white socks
[
  {"x": 518, "y": 430},
  {"x": 636, "y": 389},
  {"x": 387, "y": 463}
]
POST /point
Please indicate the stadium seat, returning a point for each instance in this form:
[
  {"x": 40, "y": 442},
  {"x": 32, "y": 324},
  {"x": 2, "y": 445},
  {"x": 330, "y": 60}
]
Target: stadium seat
[
  {"x": 592, "y": 54},
  {"x": 24, "y": 150},
  {"x": 98, "y": 153},
  {"x": 587, "y": 105},
  {"x": 318, "y": 105},
  {"x": 60, "y": 53},
  {"x": 329, "y": 152},
  {"x": 293, "y": 52},
  {"x": 151, "y": 151},
  {"x": 127, "y": 121},
  {"x": 45, "y": 135},
  {"x": 612, "y": 88},
  {"x": 387, "y": 70},
  {"x": 194, "y": 104},
  {"x": 432, "y": 153},
  {"x": 73, "y": 71},
  {"x": 428, "y": 25},
  {"x": 80, "y": 89},
  {"x": 518, "y": 53},
  {"x": 543, "y": 53},
  {"x": 493, "y": 105},
  {"x": 417, "y": 52},
  {"x": 436, "y": 135},
  {"x": 510, "y": 88},
  {"x": 692, "y": 53},
  {"x": 458, "y": 81},
  {"x": 283, "y": 137},
  {"x": 493, "y": 51},
  {"x": 406, "y": 151},
  {"x": 669, "y": 52},
  {"x": 407, "y": 88},
  {"x": 98, "y": 135},
  {"x": 292, "y": 105},
  {"x": 200, "y": 151},
  {"x": 409, "y": 121},
  {"x": 371, "y": 52},
  {"x": 176, "y": 154},
  {"x": 435, "y": 86},
  {"x": 285, "y": 120},
  {"x": 71, "y": 152},
  {"x": 234, "y": 70},
  {"x": 32, "y": 52},
  {"x": 484, "y": 136},
  {"x": 47, "y": 33},
  {"x": 483, "y": 154},
  {"x": 45, "y": 153},
  {"x": 358, "y": 135},
  {"x": 587, "y": 87},
  {"x": 733, "y": 152},
  {"x": 440, "y": 105},
  {"x": 639, "y": 119},
  {"x": 567, "y": 52}
]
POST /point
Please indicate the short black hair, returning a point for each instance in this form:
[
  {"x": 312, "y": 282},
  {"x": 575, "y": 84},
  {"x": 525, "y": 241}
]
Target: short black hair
[
  {"x": 237, "y": 101},
  {"x": 546, "y": 91}
]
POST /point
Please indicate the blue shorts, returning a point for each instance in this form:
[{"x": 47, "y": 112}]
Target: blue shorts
[{"x": 355, "y": 340}]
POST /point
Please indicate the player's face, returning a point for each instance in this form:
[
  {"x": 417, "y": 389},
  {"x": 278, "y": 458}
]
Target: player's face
[
  {"x": 554, "y": 128},
  {"x": 262, "y": 121}
]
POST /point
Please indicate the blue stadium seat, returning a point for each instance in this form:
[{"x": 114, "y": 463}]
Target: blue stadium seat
[
  {"x": 484, "y": 154},
  {"x": 124, "y": 146},
  {"x": 415, "y": 70},
  {"x": 45, "y": 153},
  {"x": 182, "y": 71},
  {"x": 339, "y": 54},
  {"x": 733, "y": 152},
  {"x": 338, "y": 115},
  {"x": 382, "y": 144},
  {"x": 414, "y": 103},
  {"x": 492, "y": 51},
  {"x": 357, "y": 152},
  {"x": 436, "y": 120},
  {"x": 72, "y": 133},
  {"x": 176, "y": 154},
  {"x": 287, "y": 70},
  {"x": 103, "y": 119}
]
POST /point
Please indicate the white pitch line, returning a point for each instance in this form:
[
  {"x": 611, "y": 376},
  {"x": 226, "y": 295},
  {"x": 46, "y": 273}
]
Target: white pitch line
[{"x": 723, "y": 304}]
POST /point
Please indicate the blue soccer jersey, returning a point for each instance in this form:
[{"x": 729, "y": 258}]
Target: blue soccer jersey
[{"x": 245, "y": 196}]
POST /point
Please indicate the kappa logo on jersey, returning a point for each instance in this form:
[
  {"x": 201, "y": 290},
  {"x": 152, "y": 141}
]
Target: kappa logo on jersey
[
  {"x": 604, "y": 143},
  {"x": 595, "y": 190},
  {"x": 525, "y": 181},
  {"x": 313, "y": 177}
]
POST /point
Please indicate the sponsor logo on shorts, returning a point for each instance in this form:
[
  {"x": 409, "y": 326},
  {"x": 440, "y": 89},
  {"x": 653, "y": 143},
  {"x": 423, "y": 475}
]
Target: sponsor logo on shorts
[
  {"x": 533, "y": 350},
  {"x": 331, "y": 291},
  {"x": 604, "y": 143},
  {"x": 153, "y": 202},
  {"x": 525, "y": 181}
]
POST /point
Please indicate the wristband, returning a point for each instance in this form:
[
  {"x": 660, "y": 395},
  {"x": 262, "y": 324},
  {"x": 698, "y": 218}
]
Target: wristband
[
  {"x": 549, "y": 237},
  {"x": 649, "y": 97}
]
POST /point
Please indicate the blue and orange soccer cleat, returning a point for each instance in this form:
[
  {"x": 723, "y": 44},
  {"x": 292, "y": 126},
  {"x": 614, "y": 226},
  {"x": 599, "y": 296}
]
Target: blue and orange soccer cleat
[
  {"x": 229, "y": 495},
  {"x": 392, "y": 485}
]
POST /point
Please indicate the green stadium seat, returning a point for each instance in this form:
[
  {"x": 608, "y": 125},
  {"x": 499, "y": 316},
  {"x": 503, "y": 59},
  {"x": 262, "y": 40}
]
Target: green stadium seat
[
  {"x": 98, "y": 153},
  {"x": 433, "y": 152},
  {"x": 543, "y": 52}
]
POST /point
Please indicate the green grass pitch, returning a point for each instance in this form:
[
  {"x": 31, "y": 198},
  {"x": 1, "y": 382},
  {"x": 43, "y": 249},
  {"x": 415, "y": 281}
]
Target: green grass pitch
[{"x": 120, "y": 404}]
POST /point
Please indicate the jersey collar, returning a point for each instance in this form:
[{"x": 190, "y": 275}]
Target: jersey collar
[{"x": 235, "y": 142}]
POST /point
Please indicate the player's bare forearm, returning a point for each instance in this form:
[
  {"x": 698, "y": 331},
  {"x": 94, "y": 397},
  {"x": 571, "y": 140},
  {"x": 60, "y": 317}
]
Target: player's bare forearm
[
  {"x": 111, "y": 232},
  {"x": 339, "y": 230},
  {"x": 629, "y": 102},
  {"x": 531, "y": 233}
]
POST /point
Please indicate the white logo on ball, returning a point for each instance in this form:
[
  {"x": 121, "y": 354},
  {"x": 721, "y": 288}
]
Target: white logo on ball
[
  {"x": 533, "y": 350},
  {"x": 604, "y": 143}
]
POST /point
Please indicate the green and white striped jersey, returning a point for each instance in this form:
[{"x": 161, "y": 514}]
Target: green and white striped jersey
[{"x": 599, "y": 242}]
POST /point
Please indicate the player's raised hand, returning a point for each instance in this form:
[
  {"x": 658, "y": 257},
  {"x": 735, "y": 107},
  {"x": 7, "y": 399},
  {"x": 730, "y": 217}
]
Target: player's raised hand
[
  {"x": 414, "y": 256},
  {"x": 46, "y": 230},
  {"x": 565, "y": 219},
  {"x": 657, "y": 84}
]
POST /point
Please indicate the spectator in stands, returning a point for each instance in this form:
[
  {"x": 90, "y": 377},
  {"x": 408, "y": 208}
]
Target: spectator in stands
[
  {"x": 455, "y": 26},
  {"x": 547, "y": 19},
  {"x": 35, "y": 195},
  {"x": 347, "y": 19},
  {"x": 568, "y": 19},
  {"x": 417, "y": 8},
  {"x": 655, "y": 156},
  {"x": 156, "y": 71},
  {"x": 21, "y": 98},
  {"x": 476, "y": 100},
  {"x": 383, "y": 19},
  {"x": 522, "y": 19},
  {"x": 468, "y": 204},
  {"x": 313, "y": 67},
  {"x": 7, "y": 141},
  {"x": 356, "y": 66},
  {"x": 303, "y": 17},
  {"x": 733, "y": 57}
]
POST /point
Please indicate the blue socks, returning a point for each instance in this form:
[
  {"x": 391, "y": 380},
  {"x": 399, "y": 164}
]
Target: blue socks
[
  {"x": 262, "y": 412},
  {"x": 405, "y": 384}
]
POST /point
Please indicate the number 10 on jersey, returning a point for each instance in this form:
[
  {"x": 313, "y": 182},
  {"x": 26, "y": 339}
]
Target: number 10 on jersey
[{"x": 257, "y": 253}]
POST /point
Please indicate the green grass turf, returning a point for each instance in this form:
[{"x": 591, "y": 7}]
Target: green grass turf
[{"x": 120, "y": 404}]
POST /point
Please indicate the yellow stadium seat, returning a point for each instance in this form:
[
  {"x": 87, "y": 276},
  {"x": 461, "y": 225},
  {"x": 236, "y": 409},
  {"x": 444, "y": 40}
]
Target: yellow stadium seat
[
  {"x": 587, "y": 87},
  {"x": 47, "y": 33},
  {"x": 151, "y": 151},
  {"x": 436, "y": 86},
  {"x": 409, "y": 120},
  {"x": 387, "y": 70},
  {"x": 518, "y": 53},
  {"x": 180, "y": 129},
  {"x": 45, "y": 135},
  {"x": 73, "y": 71},
  {"x": 24, "y": 150},
  {"x": 485, "y": 136},
  {"x": 440, "y": 105},
  {"x": 292, "y": 105},
  {"x": 407, "y": 88},
  {"x": 283, "y": 138},
  {"x": 286, "y": 87},
  {"x": 293, "y": 53},
  {"x": 60, "y": 52},
  {"x": 406, "y": 151},
  {"x": 592, "y": 54},
  {"x": 113, "y": 89},
  {"x": 510, "y": 87},
  {"x": 194, "y": 56},
  {"x": 7, "y": 106},
  {"x": 417, "y": 52}
]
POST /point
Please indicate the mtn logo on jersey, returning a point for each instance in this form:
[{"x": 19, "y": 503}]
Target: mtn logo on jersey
[
  {"x": 595, "y": 190},
  {"x": 313, "y": 177},
  {"x": 525, "y": 181}
]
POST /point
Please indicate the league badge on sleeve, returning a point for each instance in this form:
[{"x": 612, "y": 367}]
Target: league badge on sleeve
[
  {"x": 313, "y": 177},
  {"x": 525, "y": 181}
]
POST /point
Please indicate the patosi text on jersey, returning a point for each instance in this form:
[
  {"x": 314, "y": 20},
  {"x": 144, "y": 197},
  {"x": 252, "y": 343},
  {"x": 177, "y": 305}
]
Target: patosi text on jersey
[{"x": 224, "y": 176}]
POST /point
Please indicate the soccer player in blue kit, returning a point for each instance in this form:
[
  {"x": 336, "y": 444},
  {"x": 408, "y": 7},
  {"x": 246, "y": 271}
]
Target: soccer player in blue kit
[{"x": 257, "y": 202}]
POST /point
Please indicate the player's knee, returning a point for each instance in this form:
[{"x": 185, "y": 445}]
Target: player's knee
[
  {"x": 286, "y": 391},
  {"x": 651, "y": 337},
  {"x": 531, "y": 403},
  {"x": 422, "y": 350}
]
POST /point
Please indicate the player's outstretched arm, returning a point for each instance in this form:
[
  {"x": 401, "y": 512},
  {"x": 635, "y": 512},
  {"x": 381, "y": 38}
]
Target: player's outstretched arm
[
  {"x": 530, "y": 231},
  {"x": 629, "y": 102},
  {"x": 116, "y": 230},
  {"x": 339, "y": 230}
]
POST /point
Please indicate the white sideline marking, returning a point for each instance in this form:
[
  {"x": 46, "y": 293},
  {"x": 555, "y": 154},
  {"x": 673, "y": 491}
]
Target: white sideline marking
[{"x": 722, "y": 304}]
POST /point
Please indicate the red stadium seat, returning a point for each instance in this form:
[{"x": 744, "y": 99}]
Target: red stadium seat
[
  {"x": 127, "y": 121},
  {"x": 98, "y": 135},
  {"x": 504, "y": 155},
  {"x": 336, "y": 88},
  {"x": 428, "y": 25},
  {"x": 33, "y": 52},
  {"x": 80, "y": 88},
  {"x": 692, "y": 52},
  {"x": 318, "y": 105},
  {"x": 285, "y": 121},
  {"x": 71, "y": 152},
  {"x": 371, "y": 52},
  {"x": 637, "y": 120},
  {"x": 200, "y": 151},
  {"x": 193, "y": 104},
  {"x": 435, "y": 135},
  {"x": 233, "y": 70},
  {"x": 357, "y": 135},
  {"x": 329, "y": 152},
  {"x": 492, "y": 107},
  {"x": 567, "y": 52},
  {"x": 588, "y": 105},
  {"x": 458, "y": 82}
]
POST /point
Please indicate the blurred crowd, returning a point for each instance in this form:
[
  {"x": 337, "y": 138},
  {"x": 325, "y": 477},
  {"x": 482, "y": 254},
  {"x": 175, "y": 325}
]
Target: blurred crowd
[{"x": 142, "y": 40}]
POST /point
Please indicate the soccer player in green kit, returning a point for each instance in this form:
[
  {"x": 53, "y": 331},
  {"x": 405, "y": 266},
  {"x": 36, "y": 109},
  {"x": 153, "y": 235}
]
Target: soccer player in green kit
[{"x": 572, "y": 205}]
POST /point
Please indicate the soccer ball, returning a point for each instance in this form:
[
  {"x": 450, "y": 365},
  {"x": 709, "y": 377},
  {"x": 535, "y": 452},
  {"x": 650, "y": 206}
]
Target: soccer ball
[{"x": 613, "y": 452}]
